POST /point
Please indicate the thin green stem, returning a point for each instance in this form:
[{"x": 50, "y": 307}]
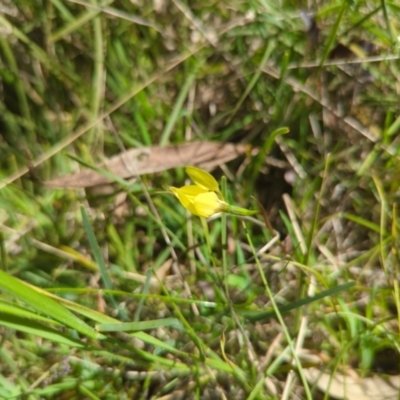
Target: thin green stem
[
  {"x": 279, "y": 315},
  {"x": 224, "y": 239}
]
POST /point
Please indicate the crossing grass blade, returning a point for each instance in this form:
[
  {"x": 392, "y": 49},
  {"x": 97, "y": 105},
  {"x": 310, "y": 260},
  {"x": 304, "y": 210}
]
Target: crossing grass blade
[
  {"x": 44, "y": 304},
  {"x": 263, "y": 315}
]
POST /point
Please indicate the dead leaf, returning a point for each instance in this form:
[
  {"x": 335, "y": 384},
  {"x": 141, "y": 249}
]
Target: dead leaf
[
  {"x": 354, "y": 388},
  {"x": 148, "y": 160}
]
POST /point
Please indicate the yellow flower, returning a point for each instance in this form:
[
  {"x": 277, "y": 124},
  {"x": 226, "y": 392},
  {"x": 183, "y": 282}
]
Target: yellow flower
[
  {"x": 199, "y": 201},
  {"x": 204, "y": 199},
  {"x": 203, "y": 179}
]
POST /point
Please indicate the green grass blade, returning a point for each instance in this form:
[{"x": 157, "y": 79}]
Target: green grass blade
[
  {"x": 74, "y": 25},
  {"x": 177, "y": 107},
  {"x": 17, "y": 311},
  {"x": 139, "y": 326},
  {"x": 333, "y": 33},
  {"x": 264, "y": 315},
  {"x": 38, "y": 329},
  {"x": 97, "y": 253},
  {"x": 267, "y": 53},
  {"x": 362, "y": 222},
  {"x": 44, "y": 304}
]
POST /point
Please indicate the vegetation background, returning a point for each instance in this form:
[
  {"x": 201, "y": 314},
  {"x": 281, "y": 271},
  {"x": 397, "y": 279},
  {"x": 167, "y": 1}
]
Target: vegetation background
[{"x": 122, "y": 295}]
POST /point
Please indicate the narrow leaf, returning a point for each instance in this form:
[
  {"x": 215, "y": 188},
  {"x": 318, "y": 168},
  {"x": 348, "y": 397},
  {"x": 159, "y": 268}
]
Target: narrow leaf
[
  {"x": 266, "y": 314},
  {"x": 36, "y": 328},
  {"x": 138, "y": 326},
  {"x": 44, "y": 304}
]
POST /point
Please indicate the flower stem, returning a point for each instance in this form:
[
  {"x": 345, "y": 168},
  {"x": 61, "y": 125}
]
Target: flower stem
[{"x": 240, "y": 211}]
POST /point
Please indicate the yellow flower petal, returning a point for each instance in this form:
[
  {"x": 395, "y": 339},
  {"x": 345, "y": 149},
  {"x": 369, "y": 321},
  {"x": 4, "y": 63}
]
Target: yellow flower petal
[
  {"x": 199, "y": 201},
  {"x": 202, "y": 178},
  {"x": 186, "y": 196},
  {"x": 207, "y": 204},
  {"x": 204, "y": 198}
]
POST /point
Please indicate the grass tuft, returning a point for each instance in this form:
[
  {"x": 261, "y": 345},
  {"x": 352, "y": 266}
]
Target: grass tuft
[{"x": 119, "y": 293}]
